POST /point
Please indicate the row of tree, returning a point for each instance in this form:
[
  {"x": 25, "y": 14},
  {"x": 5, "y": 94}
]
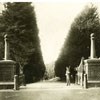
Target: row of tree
[
  {"x": 77, "y": 44},
  {"x": 18, "y": 20}
]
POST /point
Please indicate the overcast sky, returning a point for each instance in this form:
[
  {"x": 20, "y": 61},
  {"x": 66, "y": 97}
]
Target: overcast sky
[{"x": 54, "y": 20}]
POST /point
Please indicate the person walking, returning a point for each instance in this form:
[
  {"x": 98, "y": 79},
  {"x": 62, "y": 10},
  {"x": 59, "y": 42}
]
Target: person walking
[{"x": 67, "y": 76}]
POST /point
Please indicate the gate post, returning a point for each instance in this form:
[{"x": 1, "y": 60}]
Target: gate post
[
  {"x": 16, "y": 86},
  {"x": 85, "y": 81}
]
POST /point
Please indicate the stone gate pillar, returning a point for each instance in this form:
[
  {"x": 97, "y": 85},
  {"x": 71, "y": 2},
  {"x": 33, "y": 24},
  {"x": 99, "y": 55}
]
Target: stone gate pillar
[
  {"x": 6, "y": 51},
  {"x": 92, "y": 66},
  {"x": 92, "y": 50},
  {"x": 7, "y": 69}
]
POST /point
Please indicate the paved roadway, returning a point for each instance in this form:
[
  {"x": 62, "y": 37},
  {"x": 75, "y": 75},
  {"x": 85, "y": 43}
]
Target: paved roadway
[{"x": 51, "y": 91}]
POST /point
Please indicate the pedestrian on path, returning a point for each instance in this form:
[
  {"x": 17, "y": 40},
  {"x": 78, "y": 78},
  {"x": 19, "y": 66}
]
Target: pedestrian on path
[{"x": 67, "y": 76}]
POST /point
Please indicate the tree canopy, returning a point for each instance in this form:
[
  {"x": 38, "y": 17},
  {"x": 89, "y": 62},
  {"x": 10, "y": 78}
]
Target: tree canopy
[
  {"x": 77, "y": 44},
  {"x": 18, "y": 20}
]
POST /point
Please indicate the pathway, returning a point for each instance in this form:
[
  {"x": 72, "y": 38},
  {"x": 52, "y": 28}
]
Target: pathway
[
  {"x": 51, "y": 91},
  {"x": 51, "y": 85}
]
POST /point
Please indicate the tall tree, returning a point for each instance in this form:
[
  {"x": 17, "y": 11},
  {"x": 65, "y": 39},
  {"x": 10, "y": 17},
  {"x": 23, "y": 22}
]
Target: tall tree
[
  {"x": 19, "y": 22},
  {"x": 77, "y": 43}
]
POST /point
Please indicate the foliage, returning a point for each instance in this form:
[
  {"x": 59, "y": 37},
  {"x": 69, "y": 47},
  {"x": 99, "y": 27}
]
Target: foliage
[
  {"x": 77, "y": 43},
  {"x": 49, "y": 73},
  {"x": 19, "y": 22}
]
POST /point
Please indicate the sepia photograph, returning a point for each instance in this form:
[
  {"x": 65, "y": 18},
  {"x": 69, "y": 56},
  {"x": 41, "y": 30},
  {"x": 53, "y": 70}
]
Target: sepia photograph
[{"x": 50, "y": 50}]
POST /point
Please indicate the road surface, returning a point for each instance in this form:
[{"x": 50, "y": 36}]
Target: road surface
[{"x": 51, "y": 91}]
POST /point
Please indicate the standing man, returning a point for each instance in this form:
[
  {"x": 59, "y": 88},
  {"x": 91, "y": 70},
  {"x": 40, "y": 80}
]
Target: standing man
[{"x": 67, "y": 76}]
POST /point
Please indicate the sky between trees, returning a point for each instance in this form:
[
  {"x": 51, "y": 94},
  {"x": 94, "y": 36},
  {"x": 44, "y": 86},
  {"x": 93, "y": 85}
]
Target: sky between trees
[{"x": 54, "y": 20}]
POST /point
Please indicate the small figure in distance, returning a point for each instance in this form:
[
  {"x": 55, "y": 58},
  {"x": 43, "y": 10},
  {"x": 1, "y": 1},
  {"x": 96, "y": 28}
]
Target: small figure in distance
[{"x": 67, "y": 76}]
